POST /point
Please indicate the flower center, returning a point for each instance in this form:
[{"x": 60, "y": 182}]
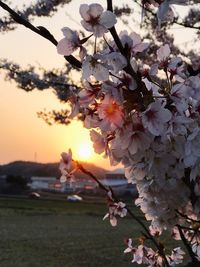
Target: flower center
[
  {"x": 111, "y": 108},
  {"x": 150, "y": 114}
]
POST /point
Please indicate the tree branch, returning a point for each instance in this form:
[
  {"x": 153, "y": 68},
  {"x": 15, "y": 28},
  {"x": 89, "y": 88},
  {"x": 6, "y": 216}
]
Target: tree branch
[
  {"x": 141, "y": 88},
  {"x": 175, "y": 21},
  {"x": 148, "y": 234},
  {"x": 39, "y": 30},
  {"x": 187, "y": 246}
]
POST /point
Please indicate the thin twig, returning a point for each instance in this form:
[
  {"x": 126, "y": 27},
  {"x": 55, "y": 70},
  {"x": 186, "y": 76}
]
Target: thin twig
[
  {"x": 141, "y": 87},
  {"x": 187, "y": 218},
  {"x": 187, "y": 246},
  {"x": 175, "y": 21}
]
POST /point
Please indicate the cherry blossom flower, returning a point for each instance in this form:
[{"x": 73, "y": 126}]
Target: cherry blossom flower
[
  {"x": 70, "y": 43},
  {"x": 165, "y": 10},
  {"x": 93, "y": 66},
  {"x": 127, "y": 80},
  {"x": 98, "y": 142},
  {"x": 111, "y": 113},
  {"x": 96, "y": 20},
  {"x": 137, "y": 46},
  {"x": 75, "y": 106},
  {"x": 91, "y": 121},
  {"x": 163, "y": 53},
  {"x": 65, "y": 166},
  {"x": 66, "y": 160},
  {"x": 144, "y": 255},
  {"x": 192, "y": 149},
  {"x": 176, "y": 234},
  {"x": 135, "y": 173},
  {"x": 130, "y": 248},
  {"x": 87, "y": 95},
  {"x": 176, "y": 67},
  {"x": 155, "y": 117},
  {"x": 196, "y": 249},
  {"x": 115, "y": 209},
  {"x": 112, "y": 88},
  {"x": 116, "y": 60},
  {"x": 176, "y": 256}
]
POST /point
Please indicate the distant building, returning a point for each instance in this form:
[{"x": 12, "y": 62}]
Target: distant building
[
  {"x": 53, "y": 184},
  {"x": 117, "y": 180},
  {"x": 44, "y": 183},
  {"x": 79, "y": 185}
]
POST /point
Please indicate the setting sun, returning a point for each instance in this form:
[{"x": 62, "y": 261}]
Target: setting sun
[{"x": 84, "y": 151}]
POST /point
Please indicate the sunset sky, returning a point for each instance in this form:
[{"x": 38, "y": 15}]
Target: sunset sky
[{"x": 23, "y": 136}]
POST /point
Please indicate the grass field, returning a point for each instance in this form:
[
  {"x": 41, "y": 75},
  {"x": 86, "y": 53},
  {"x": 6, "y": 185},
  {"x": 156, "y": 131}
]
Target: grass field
[{"x": 44, "y": 233}]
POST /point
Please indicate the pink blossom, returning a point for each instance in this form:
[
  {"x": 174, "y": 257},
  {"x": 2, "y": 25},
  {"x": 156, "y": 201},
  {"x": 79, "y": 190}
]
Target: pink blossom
[
  {"x": 111, "y": 113},
  {"x": 116, "y": 60},
  {"x": 127, "y": 80},
  {"x": 130, "y": 248},
  {"x": 155, "y": 118},
  {"x": 70, "y": 43},
  {"x": 93, "y": 66},
  {"x": 65, "y": 166},
  {"x": 144, "y": 255},
  {"x": 135, "y": 173},
  {"x": 87, "y": 95},
  {"x": 163, "y": 53},
  {"x": 115, "y": 209},
  {"x": 165, "y": 12},
  {"x": 176, "y": 257},
  {"x": 134, "y": 137},
  {"x": 75, "y": 106},
  {"x": 66, "y": 160},
  {"x": 137, "y": 45},
  {"x": 91, "y": 121},
  {"x": 133, "y": 42},
  {"x": 98, "y": 142},
  {"x": 196, "y": 250},
  {"x": 96, "y": 20}
]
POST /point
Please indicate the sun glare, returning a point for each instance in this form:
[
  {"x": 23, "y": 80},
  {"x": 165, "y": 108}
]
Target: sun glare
[{"x": 84, "y": 151}]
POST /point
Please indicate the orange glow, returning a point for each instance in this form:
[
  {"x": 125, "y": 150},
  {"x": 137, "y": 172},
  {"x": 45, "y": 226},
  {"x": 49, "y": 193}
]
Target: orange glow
[{"x": 85, "y": 151}]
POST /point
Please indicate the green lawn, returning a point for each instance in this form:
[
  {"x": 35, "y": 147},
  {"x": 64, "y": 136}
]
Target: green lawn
[{"x": 44, "y": 233}]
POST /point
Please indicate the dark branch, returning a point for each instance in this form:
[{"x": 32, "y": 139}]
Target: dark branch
[
  {"x": 148, "y": 234},
  {"x": 175, "y": 21},
  {"x": 109, "y": 5},
  {"x": 187, "y": 246},
  {"x": 39, "y": 30}
]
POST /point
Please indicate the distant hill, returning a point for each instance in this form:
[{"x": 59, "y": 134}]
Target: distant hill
[{"x": 28, "y": 169}]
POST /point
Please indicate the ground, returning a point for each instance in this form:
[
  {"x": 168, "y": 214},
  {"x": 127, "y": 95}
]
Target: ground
[{"x": 41, "y": 233}]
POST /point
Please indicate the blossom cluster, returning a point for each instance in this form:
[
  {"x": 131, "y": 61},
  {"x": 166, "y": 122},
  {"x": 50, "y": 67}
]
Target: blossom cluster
[
  {"x": 145, "y": 255},
  {"x": 144, "y": 117},
  {"x": 164, "y": 8},
  {"x": 115, "y": 209}
]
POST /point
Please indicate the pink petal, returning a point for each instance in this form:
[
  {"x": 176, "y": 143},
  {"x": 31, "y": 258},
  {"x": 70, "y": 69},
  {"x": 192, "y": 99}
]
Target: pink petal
[
  {"x": 108, "y": 19},
  {"x": 83, "y": 10},
  {"x": 95, "y": 10},
  {"x": 65, "y": 47}
]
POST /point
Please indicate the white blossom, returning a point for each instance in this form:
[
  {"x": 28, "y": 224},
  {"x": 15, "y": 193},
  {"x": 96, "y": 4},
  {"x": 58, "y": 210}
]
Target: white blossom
[
  {"x": 155, "y": 117},
  {"x": 93, "y": 66},
  {"x": 96, "y": 20}
]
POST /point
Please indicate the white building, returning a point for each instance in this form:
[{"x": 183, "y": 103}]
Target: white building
[
  {"x": 45, "y": 183},
  {"x": 53, "y": 184}
]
